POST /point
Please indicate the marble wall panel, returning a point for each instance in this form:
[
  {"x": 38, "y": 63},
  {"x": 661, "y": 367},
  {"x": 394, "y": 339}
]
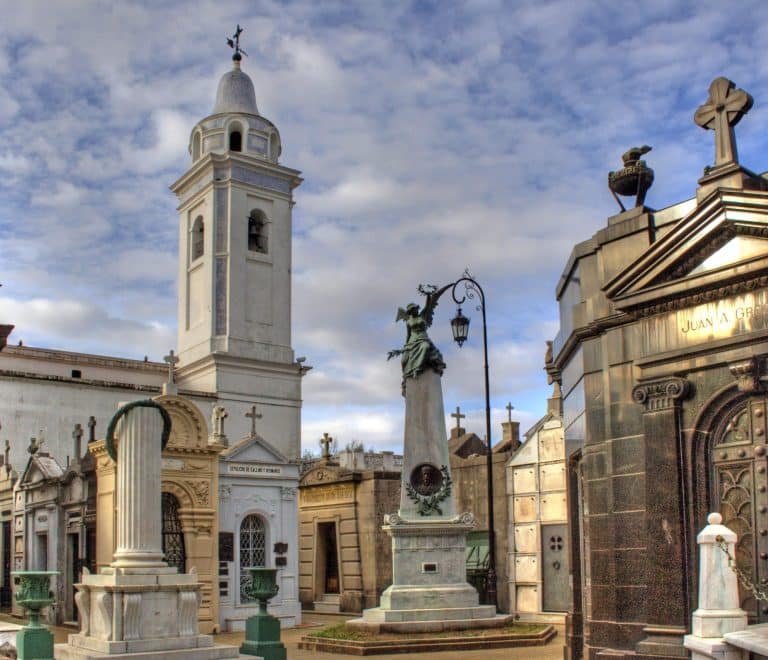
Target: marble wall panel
[
  {"x": 552, "y": 476},
  {"x": 527, "y": 599},
  {"x": 524, "y": 480},
  {"x": 553, "y": 507},
  {"x": 526, "y": 538},
  {"x": 526, "y": 568},
  {"x": 525, "y": 508}
]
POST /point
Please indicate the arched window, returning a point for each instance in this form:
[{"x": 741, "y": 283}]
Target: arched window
[
  {"x": 173, "y": 535},
  {"x": 257, "y": 231},
  {"x": 253, "y": 551},
  {"x": 196, "y": 147},
  {"x": 198, "y": 238},
  {"x": 235, "y": 141}
]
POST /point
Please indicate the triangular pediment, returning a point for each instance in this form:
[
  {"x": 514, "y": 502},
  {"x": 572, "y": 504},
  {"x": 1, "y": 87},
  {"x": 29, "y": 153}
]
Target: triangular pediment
[
  {"x": 724, "y": 239},
  {"x": 253, "y": 448},
  {"x": 41, "y": 467}
]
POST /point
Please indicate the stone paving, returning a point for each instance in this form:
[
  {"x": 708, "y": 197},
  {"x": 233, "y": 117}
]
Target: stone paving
[{"x": 311, "y": 621}]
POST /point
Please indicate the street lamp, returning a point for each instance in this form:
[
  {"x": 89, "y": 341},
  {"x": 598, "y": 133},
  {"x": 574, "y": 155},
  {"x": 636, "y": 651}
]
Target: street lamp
[{"x": 460, "y": 330}]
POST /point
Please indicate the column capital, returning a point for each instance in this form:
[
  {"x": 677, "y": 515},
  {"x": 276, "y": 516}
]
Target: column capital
[
  {"x": 661, "y": 394},
  {"x": 748, "y": 374}
]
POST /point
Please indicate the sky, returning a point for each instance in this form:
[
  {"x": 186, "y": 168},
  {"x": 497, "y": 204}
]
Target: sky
[{"x": 432, "y": 137}]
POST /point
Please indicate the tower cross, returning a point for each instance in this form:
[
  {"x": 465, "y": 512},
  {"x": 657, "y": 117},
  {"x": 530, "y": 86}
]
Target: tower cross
[
  {"x": 77, "y": 436},
  {"x": 510, "y": 408},
  {"x": 458, "y": 417},
  {"x": 234, "y": 43},
  {"x": 91, "y": 429},
  {"x": 171, "y": 359},
  {"x": 253, "y": 416},
  {"x": 325, "y": 442},
  {"x": 722, "y": 110}
]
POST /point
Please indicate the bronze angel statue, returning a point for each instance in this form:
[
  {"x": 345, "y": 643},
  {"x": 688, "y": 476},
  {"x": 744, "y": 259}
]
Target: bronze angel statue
[{"x": 419, "y": 353}]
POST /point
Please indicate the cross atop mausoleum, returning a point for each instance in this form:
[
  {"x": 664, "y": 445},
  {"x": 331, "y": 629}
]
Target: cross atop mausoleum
[
  {"x": 77, "y": 436},
  {"x": 325, "y": 442},
  {"x": 458, "y": 417},
  {"x": 171, "y": 359},
  {"x": 723, "y": 109},
  {"x": 253, "y": 416},
  {"x": 509, "y": 408},
  {"x": 91, "y": 429}
]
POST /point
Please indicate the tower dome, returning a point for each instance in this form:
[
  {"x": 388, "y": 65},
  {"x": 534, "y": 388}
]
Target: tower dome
[{"x": 235, "y": 93}]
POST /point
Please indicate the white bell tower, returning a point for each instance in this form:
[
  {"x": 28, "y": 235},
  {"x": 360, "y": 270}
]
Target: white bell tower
[{"x": 235, "y": 207}]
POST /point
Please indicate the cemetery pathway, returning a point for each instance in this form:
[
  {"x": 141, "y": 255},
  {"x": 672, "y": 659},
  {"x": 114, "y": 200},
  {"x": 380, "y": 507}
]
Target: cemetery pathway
[{"x": 291, "y": 636}]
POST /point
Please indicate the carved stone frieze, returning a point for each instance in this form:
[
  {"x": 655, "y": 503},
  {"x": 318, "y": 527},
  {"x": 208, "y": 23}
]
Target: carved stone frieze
[
  {"x": 201, "y": 489},
  {"x": 660, "y": 394}
]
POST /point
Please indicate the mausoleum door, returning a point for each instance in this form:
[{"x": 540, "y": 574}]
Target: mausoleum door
[
  {"x": 253, "y": 551},
  {"x": 739, "y": 485},
  {"x": 173, "y": 535}
]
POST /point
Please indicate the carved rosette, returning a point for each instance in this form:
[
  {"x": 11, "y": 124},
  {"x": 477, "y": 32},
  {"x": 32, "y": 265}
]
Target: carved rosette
[{"x": 661, "y": 394}]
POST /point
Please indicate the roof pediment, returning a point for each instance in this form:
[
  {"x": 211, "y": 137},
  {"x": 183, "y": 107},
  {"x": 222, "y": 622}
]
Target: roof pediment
[
  {"x": 41, "y": 467},
  {"x": 724, "y": 239},
  {"x": 253, "y": 448}
]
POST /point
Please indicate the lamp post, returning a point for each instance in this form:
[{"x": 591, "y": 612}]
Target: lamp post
[{"x": 460, "y": 330}]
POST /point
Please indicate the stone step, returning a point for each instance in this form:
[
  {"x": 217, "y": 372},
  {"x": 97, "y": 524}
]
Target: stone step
[{"x": 328, "y": 604}]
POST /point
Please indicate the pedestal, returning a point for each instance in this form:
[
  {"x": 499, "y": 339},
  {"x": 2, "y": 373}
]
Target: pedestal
[
  {"x": 429, "y": 590},
  {"x": 34, "y": 643},
  {"x": 262, "y": 638}
]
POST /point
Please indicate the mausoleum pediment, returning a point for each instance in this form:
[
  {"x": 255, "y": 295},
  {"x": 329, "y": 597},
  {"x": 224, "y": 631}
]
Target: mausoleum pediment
[
  {"x": 41, "y": 468},
  {"x": 189, "y": 430},
  {"x": 723, "y": 241},
  {"x": 253, "y": 448}
]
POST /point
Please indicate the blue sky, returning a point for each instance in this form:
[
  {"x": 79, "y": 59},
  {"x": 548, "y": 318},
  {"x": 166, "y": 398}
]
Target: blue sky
[{"x": 432, "y": 136}]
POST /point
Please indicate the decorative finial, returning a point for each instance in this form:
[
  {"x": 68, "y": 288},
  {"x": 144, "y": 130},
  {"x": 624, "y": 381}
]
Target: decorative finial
[
  {"x": 635, "y": 178},
  {"x": 723, "y": 109},
  {"x": 234, "y": 43}
]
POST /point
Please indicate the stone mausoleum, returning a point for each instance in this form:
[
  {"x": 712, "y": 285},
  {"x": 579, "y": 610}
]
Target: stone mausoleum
[{"x": 661, "y": 356}]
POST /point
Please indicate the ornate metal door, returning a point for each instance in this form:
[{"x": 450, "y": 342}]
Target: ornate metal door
[
  {"x": 554, "y": 556},
  {"x": 739, "y": 483},
  {"x": 173, "y": 535},
  {"x": 253, "y": 551}
]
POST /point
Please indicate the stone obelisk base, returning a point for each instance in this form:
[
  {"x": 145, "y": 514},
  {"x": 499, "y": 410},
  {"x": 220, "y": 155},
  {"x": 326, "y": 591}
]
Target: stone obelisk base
[
  {"x": 141, "y": 613},
  {"x": 429, "y": 590}
]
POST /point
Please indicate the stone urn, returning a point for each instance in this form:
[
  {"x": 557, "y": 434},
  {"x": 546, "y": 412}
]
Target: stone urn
[
  {"x": 262, "y": 631},
  {"x": 33, "y": 594}
]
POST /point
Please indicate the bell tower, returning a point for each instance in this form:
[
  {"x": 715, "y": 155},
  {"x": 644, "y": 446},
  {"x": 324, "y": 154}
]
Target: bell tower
[{"x": 235, "y": 208}]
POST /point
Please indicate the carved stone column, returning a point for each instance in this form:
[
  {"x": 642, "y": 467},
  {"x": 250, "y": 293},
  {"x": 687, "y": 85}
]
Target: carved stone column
[
  {"x": 139, "y": 531},
  {"x": 666, "y": 571}
]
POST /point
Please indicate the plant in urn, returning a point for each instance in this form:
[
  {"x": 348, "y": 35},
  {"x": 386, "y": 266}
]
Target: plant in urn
[
  {"x": 262, "y": 631},
  {"x": 33, "y": 594}
]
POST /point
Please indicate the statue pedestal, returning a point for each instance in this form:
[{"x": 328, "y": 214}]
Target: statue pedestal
[
  {"x": 149, "y": 611},
  {"x": 429, "y": 590}
]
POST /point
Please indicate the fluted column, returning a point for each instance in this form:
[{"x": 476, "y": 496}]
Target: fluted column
[{"x": 138, "y": 443}]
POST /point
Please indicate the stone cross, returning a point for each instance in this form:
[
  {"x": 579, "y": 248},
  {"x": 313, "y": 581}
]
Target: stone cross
[
  {"x": 171, "y": 359},
  {"x": 91, "y": 429},
  {"x": 458, "y": 417},
  {"x": 510, "y": 408},
  {"x": 723, "y": 109},
  {"x": 253, "y": 415},
  {"x": 77, "y": 436},
  {"x": 218, "y": 415},
  {"x": 326, "y": 441}
]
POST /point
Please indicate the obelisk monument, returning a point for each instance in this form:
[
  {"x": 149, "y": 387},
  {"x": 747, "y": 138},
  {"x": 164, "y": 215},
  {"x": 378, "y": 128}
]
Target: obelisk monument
[{"x": 429, "y": 582}]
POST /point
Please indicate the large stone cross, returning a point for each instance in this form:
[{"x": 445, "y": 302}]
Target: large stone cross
[
  {"x": 723, "y": 109},
  {"x": 77, "y": 436},
  {"x": 326, "y": 441},
  {"x": 171, "y": 359},
  {"x": 458, "y": 417},
  {"x": 91, "y": 429},
  {"x": 510, "y": 408},
  {"x": 253, "y": 415}
]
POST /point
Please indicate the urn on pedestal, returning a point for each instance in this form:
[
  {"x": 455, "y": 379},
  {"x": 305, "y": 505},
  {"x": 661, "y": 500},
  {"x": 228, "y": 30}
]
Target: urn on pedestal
[
  {"x": 34, "y": 594},
  {"x": 262, "y": 631}
]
